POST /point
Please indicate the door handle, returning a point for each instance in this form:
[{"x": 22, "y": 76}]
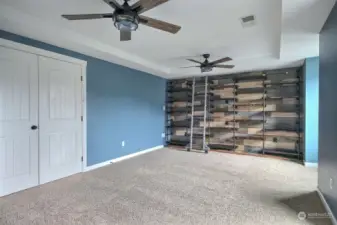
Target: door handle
[{"x": 34, "y": 127}]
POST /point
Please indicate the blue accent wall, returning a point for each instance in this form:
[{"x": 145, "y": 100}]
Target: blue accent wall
[
  {"x": 327, "y": 164},
  {"x": 122, "y": 105},
  {"x": 311, "y": 87}
]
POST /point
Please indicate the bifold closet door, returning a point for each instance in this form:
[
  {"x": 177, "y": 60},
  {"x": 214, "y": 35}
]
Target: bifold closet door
[
  {"x": 18, "y": 121},
  {"x": 60, "y": 109}
]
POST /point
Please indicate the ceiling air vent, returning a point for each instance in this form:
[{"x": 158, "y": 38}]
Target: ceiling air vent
[{"x": 248, "y": 21}]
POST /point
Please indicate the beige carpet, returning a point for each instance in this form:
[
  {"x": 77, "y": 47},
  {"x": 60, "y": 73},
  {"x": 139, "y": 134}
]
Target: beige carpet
[{"x": 173, "y": 187}]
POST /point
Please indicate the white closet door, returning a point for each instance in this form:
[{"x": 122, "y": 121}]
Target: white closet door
[
  {"x": 18, "y": 113},
  {"x": 60, "y": 101}
]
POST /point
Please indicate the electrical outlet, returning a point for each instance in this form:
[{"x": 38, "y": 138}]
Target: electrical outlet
[
  {"x": 163, "y": 135},
  {"x": 123, "y": 143},
  {"x": 331, "y": 183}
]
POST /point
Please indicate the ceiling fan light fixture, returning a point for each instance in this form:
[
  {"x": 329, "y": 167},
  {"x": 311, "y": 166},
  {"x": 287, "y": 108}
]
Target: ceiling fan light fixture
[
  {"x": 205, "y": 69},
  {"x": 126, "y": 22}
]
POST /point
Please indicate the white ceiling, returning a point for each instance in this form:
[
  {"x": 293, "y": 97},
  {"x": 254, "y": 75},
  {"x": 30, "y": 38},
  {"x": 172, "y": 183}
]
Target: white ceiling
[{"x": 286, "y": 32}]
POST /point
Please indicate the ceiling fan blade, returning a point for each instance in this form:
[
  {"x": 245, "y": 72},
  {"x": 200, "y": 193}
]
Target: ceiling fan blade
[
  {"x": 226, "y": 59},
  {"x": 113, "y": 3},
  {"x": 145, "y": 5},
  {"x": 125, "y": 35},
  {"x": 192, "y": 60},
  {"x": 87, "y": 16},
  {"x": 224, "y": 66},
  {"x": 184, "y": 67},
  {"x": 158, "y": 24}
]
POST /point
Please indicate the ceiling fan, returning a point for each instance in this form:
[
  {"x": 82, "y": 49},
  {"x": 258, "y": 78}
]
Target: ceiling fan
[
  {"x": 126, "y": 18},
  {"x": 207, "y": 66}
]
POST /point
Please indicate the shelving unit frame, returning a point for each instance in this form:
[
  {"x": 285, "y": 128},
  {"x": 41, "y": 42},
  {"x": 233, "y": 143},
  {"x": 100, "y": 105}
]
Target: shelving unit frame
[{"x": 261, "y": 114}]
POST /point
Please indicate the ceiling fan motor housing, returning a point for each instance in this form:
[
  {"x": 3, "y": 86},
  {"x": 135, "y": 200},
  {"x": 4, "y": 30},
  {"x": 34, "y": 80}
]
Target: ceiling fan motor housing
[
  {"x": 205, "y": 69},
  {"x": 206, "y": 56},
  {"x": 126, "y": 20}
]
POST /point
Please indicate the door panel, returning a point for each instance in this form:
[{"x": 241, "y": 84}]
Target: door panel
[
  {"x": 18, "y": 112},
  {"x": 60, "y": 110},
  {"x": 62, "y": 97}
]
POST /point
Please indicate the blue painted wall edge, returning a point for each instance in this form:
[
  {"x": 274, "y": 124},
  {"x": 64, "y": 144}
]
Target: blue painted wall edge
[{"x": 311, "y": 109}]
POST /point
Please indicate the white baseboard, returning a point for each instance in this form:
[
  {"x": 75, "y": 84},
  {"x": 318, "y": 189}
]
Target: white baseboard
[
  {"x": 327, "y": 207},
  {"x": 137, "y": 154},
  {"x": 309, "y": 164},
  {"x": 99, "y": 165}
]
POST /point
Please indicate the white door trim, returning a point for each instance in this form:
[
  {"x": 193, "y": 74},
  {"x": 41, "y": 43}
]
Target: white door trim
[
  {"x": 42, "y": 52},
  {"x": 82, "y": 63}
]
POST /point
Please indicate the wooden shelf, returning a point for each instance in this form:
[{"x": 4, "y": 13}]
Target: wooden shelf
[
  {"x": 171, "y": 99},
  {"x": 280, "y": 133},
  {"x": 187, "y": 110},
  {"x": 178, "y": 143},
  {"x": 251, "y": 123},
  {"x": 283, "y": 82},
  {"x": 282, "y": 97},
  {"x": 178, "y": 126},
  {"x": 222, "y": 98},
  {"x": 178, "y": 90},
  {"x": 250, "y": 137},
  {"x": 241, "y": 119},
  {"x": 284, "y": 115},
  {"x": 260, "y": 104},
  {"x": 250, "y": 91},
  {"x": 281, "y": 152},
  {"x": 271, "y": 145},
  {"x": 198, "y": 135},
  {"x": 222, "y": 146},
  {"x": 250, "y": 108},
  {"x": 223, "y": 128}
]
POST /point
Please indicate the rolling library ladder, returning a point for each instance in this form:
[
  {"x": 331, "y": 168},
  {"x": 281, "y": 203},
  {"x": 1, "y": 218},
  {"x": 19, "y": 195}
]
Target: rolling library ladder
[{"x": 200, "y": 106}]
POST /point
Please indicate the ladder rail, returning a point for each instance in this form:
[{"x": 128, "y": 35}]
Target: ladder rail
[
  {"x": 192, "y": 116},
  {"x": 204, "y": 147},
  {"x": 299, "y": 128},
  {"x": 264, "y": 114},
  {"x": 234, "y": 113}
]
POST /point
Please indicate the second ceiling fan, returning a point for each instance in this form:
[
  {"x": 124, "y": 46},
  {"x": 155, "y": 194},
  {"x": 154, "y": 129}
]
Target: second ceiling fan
[
  {"x": 126, "y": 18},
  {"x": 208, "y": 66}
]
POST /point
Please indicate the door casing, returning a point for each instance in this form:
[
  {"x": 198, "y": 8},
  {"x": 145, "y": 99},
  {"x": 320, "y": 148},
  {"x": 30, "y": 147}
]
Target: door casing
[{"x": 83, "y": 64}]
